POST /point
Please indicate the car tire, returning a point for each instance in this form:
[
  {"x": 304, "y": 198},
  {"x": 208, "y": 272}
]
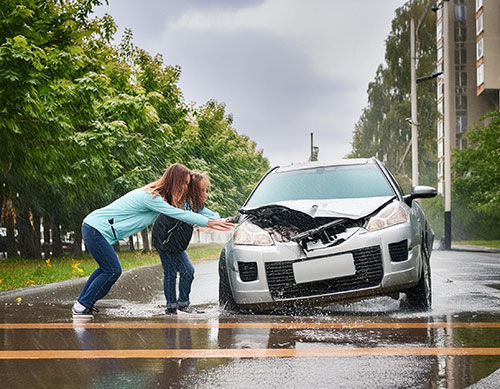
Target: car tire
[
  {"x": 226, "y": 299},
  {"x": 420, "y": 296}
]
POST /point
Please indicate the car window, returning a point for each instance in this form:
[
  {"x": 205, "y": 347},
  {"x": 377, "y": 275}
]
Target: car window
[{"x": 333, "y": 182}]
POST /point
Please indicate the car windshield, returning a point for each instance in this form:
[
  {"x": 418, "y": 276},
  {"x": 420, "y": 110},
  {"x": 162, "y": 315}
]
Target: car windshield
[{"x": 330, "y": 182}]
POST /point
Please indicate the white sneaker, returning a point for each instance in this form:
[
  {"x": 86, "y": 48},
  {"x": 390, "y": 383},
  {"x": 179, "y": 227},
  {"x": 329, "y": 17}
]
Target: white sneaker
[{"x": 82, "y": 312}]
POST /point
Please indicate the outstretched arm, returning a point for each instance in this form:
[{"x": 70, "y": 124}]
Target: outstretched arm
[{"x": 220, "y": 224}]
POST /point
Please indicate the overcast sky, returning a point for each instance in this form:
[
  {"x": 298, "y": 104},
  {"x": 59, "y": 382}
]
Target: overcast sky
[{"x": 284, "y": 68}]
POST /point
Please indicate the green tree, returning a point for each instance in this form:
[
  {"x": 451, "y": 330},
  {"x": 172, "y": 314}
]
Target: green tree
[
  {"x": 382, "y": 129},
  {"x": 477, "y": 173}
]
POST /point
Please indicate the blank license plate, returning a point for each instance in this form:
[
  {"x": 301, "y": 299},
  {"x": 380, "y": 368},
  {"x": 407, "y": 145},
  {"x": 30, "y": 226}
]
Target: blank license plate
[{"x": 324, "y": 268}]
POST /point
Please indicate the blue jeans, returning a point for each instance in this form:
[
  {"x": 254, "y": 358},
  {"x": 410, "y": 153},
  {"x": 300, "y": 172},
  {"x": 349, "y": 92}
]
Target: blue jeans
[
  {"x": 103, "y": 278},
  {"x": 174, "y": 263}
]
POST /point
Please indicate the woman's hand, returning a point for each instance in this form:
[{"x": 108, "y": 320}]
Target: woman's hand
[{"x": 220, "y": 224}]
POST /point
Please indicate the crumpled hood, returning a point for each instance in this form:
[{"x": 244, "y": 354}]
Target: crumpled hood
[{"x": 335, "y": 208}]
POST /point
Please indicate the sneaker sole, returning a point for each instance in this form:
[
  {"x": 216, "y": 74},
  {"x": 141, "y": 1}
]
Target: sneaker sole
[{"x": 82, "y": 316}]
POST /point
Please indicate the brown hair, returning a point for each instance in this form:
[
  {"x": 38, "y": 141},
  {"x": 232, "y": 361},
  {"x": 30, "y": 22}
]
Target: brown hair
[
  {"x": 194, "y": 196},
  {"x": 170, "y": 184}
]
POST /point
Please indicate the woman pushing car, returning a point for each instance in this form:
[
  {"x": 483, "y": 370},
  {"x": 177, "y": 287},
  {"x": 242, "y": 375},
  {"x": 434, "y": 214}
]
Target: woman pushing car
[{"x": 126, "y": 216}]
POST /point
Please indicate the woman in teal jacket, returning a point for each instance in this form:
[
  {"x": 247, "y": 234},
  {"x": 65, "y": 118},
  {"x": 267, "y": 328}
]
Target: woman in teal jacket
[{"x": 126, "y": 216}]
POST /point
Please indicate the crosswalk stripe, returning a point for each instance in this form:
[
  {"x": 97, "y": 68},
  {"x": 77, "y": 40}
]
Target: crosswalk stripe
[{"x": 244, "y": 353}]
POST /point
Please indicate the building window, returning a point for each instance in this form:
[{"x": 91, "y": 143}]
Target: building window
[
  {"x": 479, "y": 49},
  {"x": 480, "y": 74},
  {"x": 479, "y": 24},
  {"x": 461, "y": 101},
  {"x": 440, "y": 107},
  {"x": 440, "y": 128},
  {"x": 460, "y": 55},
  {"x": 440, "y": 90},
  {"x": 440, "y": 149},
  {"x": 440, "y": 169},
  {"x": 460, "y": 79},
  {"x": 461, "y": 122},
  {"x": 479, "y": 4},
  {"x": 439, "y": 53},
  {"x": 463, "y": 142},
  {"x": 439, "y": 31},
  {"x": 439, "y": 68},
  {"x": 460, "y": 31},
  {"x": 460, "y": 12}
]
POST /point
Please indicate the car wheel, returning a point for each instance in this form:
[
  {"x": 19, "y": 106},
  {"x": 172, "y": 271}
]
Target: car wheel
[
  {"x": 226, "y": 300},
  {"x": 420, "y": 296}
]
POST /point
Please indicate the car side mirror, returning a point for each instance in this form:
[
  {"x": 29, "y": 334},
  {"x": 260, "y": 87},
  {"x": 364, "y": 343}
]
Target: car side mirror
[{"x": 420, "y": 192}]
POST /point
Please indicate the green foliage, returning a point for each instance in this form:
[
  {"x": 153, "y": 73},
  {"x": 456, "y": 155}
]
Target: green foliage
[
  {"x": 82, "y": 122},
  {"x": 477, "y": 177},
  {"x": 477, "y": 168},
  {"x": 382, "y": 130}
]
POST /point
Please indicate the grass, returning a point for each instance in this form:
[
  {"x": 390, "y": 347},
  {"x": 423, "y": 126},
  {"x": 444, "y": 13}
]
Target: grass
[
  {"x": 485, "y": 243},
  {"x": 20, "y": 273}
]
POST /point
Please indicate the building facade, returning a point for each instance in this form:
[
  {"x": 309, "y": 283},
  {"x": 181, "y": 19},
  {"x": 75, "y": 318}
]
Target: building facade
[{"x": 468, "y": 53}]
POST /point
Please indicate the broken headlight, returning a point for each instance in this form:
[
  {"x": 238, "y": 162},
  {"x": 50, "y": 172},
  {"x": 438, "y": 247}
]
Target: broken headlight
[
  {"x": 250, "y": 234},
  {"x": 391, "y": 215}
]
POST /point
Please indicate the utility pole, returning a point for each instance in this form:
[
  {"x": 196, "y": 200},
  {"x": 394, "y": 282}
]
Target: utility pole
[
  {"x": 314, "y": 150},
  {"x": 447, "y": 127},
  {"x": 413, "y": 98}
]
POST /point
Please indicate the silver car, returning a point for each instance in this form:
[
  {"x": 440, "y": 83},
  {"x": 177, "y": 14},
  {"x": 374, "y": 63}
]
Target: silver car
[{"x": 316, "y": 233}]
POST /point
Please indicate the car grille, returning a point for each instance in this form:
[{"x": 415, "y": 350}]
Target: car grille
[
  {"x": 248, "y": 271},
  {"x": 369, "y": 272},
  {"x": 399, "y": 251}
]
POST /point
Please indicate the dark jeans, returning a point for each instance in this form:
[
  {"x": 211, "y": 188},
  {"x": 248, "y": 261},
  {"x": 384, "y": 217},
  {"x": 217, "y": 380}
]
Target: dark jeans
[
  {"x": 174, "y": 263},
  {"x": 103, "y": 278}
]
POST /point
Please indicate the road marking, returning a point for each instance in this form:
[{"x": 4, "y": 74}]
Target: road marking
[
  {"x": 244, "y": 353},
  {"x": 290, "y": 326}
]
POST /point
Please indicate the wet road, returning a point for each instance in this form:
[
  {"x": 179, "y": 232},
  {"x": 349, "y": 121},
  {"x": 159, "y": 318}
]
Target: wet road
[{"x": 368, "y": 344}]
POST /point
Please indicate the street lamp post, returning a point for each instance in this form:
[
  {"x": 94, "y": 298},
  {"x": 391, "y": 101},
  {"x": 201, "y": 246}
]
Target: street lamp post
[
  {"x": 447, "y": 129},
  {"x": 413, "y": 97}
]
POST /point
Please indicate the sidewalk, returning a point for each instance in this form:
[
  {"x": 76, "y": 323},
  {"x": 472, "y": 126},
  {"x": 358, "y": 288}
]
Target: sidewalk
[{"x": 481, "y": 249}]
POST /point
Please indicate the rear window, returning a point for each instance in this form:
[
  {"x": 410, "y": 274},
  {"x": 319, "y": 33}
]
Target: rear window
[{"x": 330, "y": 182}]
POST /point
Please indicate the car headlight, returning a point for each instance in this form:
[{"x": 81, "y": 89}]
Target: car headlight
[
  {"x": 250, "y": 234},
  {"x": 391, "y": 215}
]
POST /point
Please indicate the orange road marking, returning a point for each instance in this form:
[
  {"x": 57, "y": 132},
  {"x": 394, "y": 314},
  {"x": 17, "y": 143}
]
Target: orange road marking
[
  {"x": 244, "y": 353},
  {"x": 290, "y": 326}
]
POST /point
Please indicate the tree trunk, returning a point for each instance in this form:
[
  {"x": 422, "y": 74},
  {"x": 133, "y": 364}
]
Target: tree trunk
[
  {"x": 145, "y": 239},
  {"x": 37, "y": 236},
  {"x": 77, "y": 244},
  {"x": 57, "y": 250},
  {"x": 9, "y": 218},
  {"x": 131, "y": 242},
  {"x": 46, "y": 237},
  {"x": 26, "y": 232}
]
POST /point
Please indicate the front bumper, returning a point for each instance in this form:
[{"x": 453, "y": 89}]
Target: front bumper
[{"x": 385, "y": 261}]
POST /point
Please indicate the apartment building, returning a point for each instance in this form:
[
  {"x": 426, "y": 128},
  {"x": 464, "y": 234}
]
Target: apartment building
[{"x": 468, "y": 52}]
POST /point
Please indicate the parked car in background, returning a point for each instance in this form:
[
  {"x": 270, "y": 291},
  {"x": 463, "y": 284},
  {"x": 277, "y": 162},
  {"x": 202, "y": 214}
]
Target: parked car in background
[{"x": 317, "y": 233}]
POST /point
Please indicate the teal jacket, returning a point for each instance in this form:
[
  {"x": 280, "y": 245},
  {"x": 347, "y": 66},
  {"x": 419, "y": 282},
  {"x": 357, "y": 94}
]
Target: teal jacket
[{"x": 135, "y": 211}]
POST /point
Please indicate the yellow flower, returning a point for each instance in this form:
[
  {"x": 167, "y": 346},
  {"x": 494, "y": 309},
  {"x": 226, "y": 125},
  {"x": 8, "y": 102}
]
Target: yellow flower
[
  {"x": 30, "y": 282},
  {"x": 1, "y": 281},
  {"x": 19, "y": 299},
  {"x": 76, "y": 268},
  {"x": 48, "y": 262}
]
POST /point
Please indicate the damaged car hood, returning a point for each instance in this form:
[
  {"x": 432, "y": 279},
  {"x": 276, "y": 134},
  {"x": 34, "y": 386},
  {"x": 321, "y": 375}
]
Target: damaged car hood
[
  {"x": 315, "y": 224},
  {"x": 335, "y": 208}
]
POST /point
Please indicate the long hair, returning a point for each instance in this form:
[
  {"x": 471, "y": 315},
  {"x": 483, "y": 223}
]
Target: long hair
[
  {"x": 194, "y": 196},
  {"x": 170, "y": 184}
]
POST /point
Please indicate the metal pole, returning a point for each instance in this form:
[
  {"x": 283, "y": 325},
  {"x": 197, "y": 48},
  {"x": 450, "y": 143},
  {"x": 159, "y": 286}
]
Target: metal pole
[
  {"x": 311, "y": 158},
  {"x": 414, "y": 129},
  {"x": 447, "y": 127}
]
